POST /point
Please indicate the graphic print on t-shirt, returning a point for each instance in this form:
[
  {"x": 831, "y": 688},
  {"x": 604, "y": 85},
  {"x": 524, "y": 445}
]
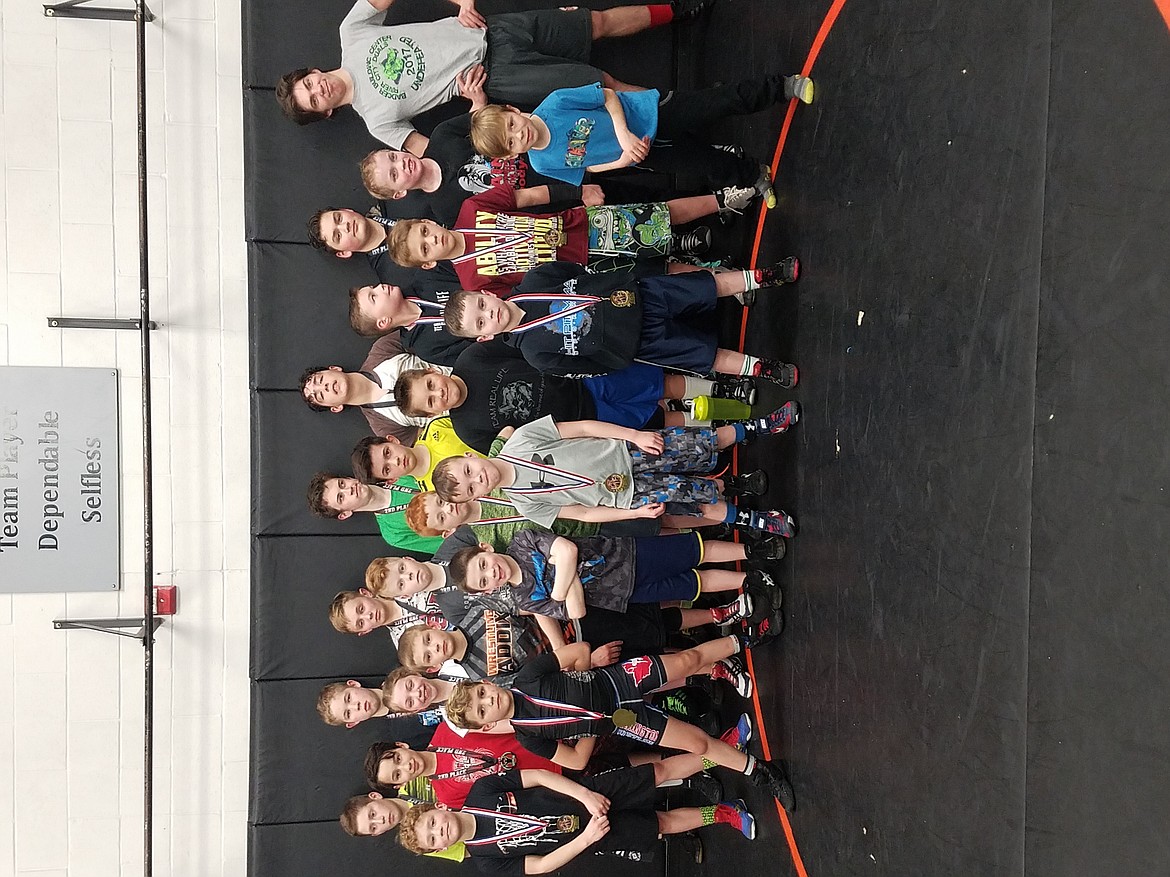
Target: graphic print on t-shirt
[
  {"x": 578, "y": 142},
  {"x": 515, "y": 244},
  {"x": 568, "y": 823},
  {"x": 395, "y": 65},
  {"x": 513, "y": 401},
  {"x": 478, "y": 174}
]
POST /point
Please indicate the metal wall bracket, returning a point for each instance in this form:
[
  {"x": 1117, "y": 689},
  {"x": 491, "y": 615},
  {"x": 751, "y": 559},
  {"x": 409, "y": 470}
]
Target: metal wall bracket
[
  {"x": 97, "y": 323},
  {"x": 78, "y": 9},
  {"x": 116, "y": 626}
]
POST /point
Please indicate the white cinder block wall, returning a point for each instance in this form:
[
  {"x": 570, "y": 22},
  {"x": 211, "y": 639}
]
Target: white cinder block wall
[{"x": 71, "y": 702}]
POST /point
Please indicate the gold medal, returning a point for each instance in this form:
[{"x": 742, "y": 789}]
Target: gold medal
[
  {"x": 554, "y": 238},
  {"x": 624, "y": 718},
  {"x": 568, "y": 824},
  {"x": 616, "y": 482},
  {"x": 621, "y": 298}
]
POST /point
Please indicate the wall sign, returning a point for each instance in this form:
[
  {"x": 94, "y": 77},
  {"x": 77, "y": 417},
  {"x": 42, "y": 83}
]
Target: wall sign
[{"x": 60, "y": 527}]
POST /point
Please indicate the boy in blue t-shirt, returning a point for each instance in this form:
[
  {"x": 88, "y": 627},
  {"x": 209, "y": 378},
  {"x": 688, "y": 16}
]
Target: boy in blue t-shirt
[{"x": 596, "y": 129}]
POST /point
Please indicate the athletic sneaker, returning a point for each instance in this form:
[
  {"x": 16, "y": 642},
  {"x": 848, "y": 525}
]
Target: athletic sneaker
[
  {"x": 778, "y": 421},
  {"x": 774, "y": 521},
  {"x": 732, "y": 387},
  {"x": 770, "y": 776},
  {"x": 732, "y": 671},
  {"x": 783, "y": 373},
  {"x": 764, "y": 630},
  {"x": 706, "y": 786},
  {"x": 692, "y": 243},
  {"x": 735, "y": 814},
  {"x": 799, "y": 88},
  {"x": 734, "y": 199},
  {"x": 690, "y": 844},
  {"x": 753, "y": 483},
  {"x": 785, "y": 271},
  {"x": 733, "y": 148},
  {"x": 740, "y": 734},
  {"x": 763, "y": 186},
  {"x": 766, "y": 548},
  {"x": 737, "y": 610}
]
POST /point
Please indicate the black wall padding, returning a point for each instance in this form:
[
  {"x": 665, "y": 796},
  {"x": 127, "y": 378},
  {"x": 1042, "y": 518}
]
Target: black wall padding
[
  {"x": 300, "y": 312},
  {"x": 290, "y": 444},
  {"x": 293, "y": 580},
  {"x": 302, "y": 769}
]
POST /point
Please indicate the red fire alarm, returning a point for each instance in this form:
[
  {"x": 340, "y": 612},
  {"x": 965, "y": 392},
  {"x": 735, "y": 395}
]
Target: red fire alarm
[{"x": 166, "y": 599}]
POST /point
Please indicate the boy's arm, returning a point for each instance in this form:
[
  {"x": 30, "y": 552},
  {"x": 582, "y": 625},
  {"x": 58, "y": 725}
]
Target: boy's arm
[
  {"x": 606, "y": 514},
  {"x": 575, "y": 599},
  {"x": 597, "y": 828},
  {"x": 648, "y": 440},
  {"x": 551, "y": 628},
  {"x": 574, "y": 756},
  {"x": 533, "y": 197},
  {"x": 468, "y": 15},
  {"x": 574, "y": 656},
  {"x": 563, "y": 556}
]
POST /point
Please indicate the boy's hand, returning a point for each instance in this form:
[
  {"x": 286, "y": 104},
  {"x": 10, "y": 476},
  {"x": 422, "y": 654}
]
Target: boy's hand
[
  {"x": 591, "y": 195},
  {"x": 649, "y": 441},
  {"x": 471, "y": 82},
  {"x": 603, "y": 656},
  {"x": 597, "y": 828},
  {"x": 596, "y": 804},
  {"x": 650, "y": 510},
  {"x": 469, "y": 16},
  {"x": 634, "y": 149}
]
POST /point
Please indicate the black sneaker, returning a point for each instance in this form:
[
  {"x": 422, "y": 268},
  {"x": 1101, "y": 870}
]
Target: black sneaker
[
  {"x": 749, "y": 484},
  {"x": 689, "y": 844},
  {"x": 784, "y": 271},
  {"x": 770, "y": 776},
  {"x": 732, "y": 148},
  {"x": 766, "y": 548},
  {"x": 692, "y": 243},
  {"x": 705, "y": 786},
  {"x": 783, "y": 373},
  {"x": 733, "y": 387},
  {"x": 763, "y": 630},
  {"x": 765, "y": 581}
]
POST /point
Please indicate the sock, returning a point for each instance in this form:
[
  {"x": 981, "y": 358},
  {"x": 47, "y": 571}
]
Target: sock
[
  {"x": 693, "y": 387},
  {"x": 749, "y": 365},
  {"x": 660, "y": 14},
  {"x": 709, "y": 814},
  {"x": 740, "y": 431},
  {"x": 750, "y": 767},
  {"x": 732, "y": 516},
  {"x": 738, "y": 645},
  {"x": 689, "y": 420},
  {"x": 751, "y": 279},
  {"x": 708, "y": 764}
]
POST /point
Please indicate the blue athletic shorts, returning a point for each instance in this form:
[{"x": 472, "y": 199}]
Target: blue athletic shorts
[
  {"x": 678, "y": 321},
  {"x": 665, "y": 568},
  {"x": 628, "y": 397}
]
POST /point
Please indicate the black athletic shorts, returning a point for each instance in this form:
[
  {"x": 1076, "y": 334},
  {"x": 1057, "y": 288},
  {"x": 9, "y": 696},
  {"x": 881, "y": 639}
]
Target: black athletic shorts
[
  {"x": 632, "y": 680},
  {"x": 530, "y": 54},
  {"x": 633, "y": 822}
]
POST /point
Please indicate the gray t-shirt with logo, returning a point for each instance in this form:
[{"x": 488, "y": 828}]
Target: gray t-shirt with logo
[
  {"x": 590, "y": 472},
  {"x": 401, "y": 71}
]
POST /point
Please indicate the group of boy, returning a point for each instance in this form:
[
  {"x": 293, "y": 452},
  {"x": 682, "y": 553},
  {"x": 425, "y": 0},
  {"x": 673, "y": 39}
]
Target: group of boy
[{"x": 528, "y": 396}]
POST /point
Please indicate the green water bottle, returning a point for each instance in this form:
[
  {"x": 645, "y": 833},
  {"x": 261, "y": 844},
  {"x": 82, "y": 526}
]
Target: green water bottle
[{"x": 710, "y": 408}]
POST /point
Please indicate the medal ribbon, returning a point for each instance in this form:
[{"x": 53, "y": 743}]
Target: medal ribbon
[
  {"x": 385, "y": 223},
  {"x": 502, "y": 519},
  {"x": 423, "y": 304},
  {"x": 486, "y": 762},
  {"x": 581, "y": 303},
  {"x": 573, "y": 477},
  {"x": 529, "y": 825},
  {"x": 576, "y": 713}
]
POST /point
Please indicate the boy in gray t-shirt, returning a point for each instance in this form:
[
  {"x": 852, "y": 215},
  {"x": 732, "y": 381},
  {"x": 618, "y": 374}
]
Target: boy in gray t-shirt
[
  {"x": 391, "y": 74},
  {"x": 593, "y": 471}
]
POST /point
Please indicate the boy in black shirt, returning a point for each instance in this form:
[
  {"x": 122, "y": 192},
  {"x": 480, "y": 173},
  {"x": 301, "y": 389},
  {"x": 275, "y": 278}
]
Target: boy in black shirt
[
  {"x": 569, "y": 322},
  {"x": 377, "y": 310},
  {"x": 493, "y": 386},
  {"x": 536, "y": 822},
  {"x": 546, "y": 706}
]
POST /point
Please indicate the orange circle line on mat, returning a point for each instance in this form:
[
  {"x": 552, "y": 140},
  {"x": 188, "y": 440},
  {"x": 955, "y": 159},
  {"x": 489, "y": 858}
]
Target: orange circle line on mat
[
  {"x": 813, "y": 52},
  {"x": 1164, "y": 8}
]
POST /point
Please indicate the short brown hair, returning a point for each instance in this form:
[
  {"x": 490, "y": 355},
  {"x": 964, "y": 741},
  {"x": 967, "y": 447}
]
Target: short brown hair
[
  {"x": 406, "y": 835},
  {"x": 288, "y": 105},
  {"x": 489, "y": 131},
  {"x": 349, "y": 814},
  {"x": 363, "y": 324},
  {"x": 396, "y": 244},
  {"x": 404, "y": 389},
  {"x": 366, "y": 166},
  {"x": 313, "y": 230},
  {"x": 359, "y": 459},
  {"x": 416, "y": 515},
  {"x": 337, "y": 610},
  {"x": 458, "y": 705},
  {"x": 373, "y": 761},
  {"x": 405, "y": 648},
  {"x": 444, "y": 480},
  {"x": 376, "y": 574},
  {"x": 388, "y": 687},
  {"x": 323, "y": 704},
  {"x": 316, "y": 496},
  {"x": 453, "y": 313},
  {"x": 457, "y": 569}
]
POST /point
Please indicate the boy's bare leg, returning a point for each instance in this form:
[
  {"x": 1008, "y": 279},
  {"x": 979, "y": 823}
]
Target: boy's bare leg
[
  {"x": 609, "y": 81},
  {"x": 693, "y": 661},
  {"x": 728, "y": 283},
  {"x": 680, "y": 735},
  {"x": 728, "y": 362},
  {"x": 722, "y": 551},
  {"x": 689, "y": 522},
  {"x": 679, "y": 820},
  {"x": 684, "y": 210},
  {"x": 619, "y": 22},
  {"x": 676, "y": 767},
  {"x": 715, "y": 580}
]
